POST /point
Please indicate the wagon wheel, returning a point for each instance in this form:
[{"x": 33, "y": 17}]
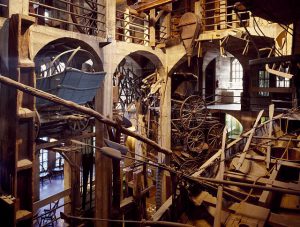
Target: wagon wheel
[
  {"x": 82, "y": 124},
  {"x": 195, "y": 140},
  {"x": 77, "y": 125},
  {"x": 214, "y": 137},
  {"x": 129, "y": 86},
  {"x": 84, "y": 15},
  {"x": 193, "y": 112}
]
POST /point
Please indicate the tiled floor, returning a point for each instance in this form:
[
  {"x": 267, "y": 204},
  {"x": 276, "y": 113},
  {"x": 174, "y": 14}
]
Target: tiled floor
[{"x": 46, "y": 190}]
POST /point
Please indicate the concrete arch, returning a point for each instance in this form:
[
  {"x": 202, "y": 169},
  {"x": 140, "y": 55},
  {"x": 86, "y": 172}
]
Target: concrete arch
[
  {"x": 63, "y": 44},
  {"x": 41, "y": 36},
  {"x": 119, "y": 50}
]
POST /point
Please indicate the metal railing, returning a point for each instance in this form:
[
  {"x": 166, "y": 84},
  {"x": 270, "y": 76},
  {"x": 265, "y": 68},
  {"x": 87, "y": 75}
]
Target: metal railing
[
  {"x": 218, "y": 15},
  {"x": 3, "y": 9},
  {"x": 86, "y": 16},
  {"x": 131, "y": 28}
]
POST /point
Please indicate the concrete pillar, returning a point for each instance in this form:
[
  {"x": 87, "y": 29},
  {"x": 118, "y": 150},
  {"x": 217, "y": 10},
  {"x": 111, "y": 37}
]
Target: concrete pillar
[
  {"x": 110, "y": 19},
  {"x": 18, "y": 7},
  {"x": 152, "y": 28}
]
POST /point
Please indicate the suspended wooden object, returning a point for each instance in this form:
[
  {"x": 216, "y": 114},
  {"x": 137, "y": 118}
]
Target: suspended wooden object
[{"x": 190, "y": 27}]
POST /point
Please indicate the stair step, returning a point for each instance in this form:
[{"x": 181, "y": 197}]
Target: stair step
[
  {"x": 23, "y": 215},
  {"x": 24, "y": 164}
]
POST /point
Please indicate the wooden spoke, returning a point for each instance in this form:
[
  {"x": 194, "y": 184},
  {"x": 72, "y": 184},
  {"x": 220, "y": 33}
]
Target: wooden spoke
[
  {"x": 214, "y": 137},
  {"x": 79, "y": 125},
  {"x": 85, "y": 16},
  {"x": 195, "y": 140},
  {"x": 193, "y": 112}
]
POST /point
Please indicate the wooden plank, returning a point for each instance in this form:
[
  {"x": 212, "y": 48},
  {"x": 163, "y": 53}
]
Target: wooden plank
[
  {"x": 269, "y": 60},
  {"x": 48, "y": 145},
  {"x": 50, "y": 199},
  {"x": 242, "y": 158},
  {"x": 262, "y": 180},
  {"x": 265, "y": 197},
  {"x": 23, "y": 215},
  {"x": 152, "y": 4},
  {"x": 278, "y": 73},
  {"x": 283, "y": 220},
  {"x": 217, "y": 219},
  {"x": 272, "y": 89},
  {"x": 270, "y": 129},
  {"x": 24, "y": 164},
  {"x": 160, "y": 212}
]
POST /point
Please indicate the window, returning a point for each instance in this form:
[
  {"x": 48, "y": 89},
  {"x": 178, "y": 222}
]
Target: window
[
  {"x": 234, "y": 127},
  {"x": 59, "y": 161},
  {"x": 263, "y": 82},
  {"x": 43, "y": 160},
  {"x": 236, "y": 72},
  {"x": 282, "y": 82}
]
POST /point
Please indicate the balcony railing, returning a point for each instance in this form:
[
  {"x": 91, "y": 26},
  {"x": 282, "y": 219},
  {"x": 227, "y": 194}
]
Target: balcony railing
[
  {"x": 3, "y": 8},
  {"x": 218, "y": 15},
  {"x": 132, "y": 28},
  {"x": 87, "y": 16}
]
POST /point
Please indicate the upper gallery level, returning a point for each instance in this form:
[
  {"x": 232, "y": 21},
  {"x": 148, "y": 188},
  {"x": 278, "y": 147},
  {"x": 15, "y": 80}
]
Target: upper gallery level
[{"x": 155, "y": 23}]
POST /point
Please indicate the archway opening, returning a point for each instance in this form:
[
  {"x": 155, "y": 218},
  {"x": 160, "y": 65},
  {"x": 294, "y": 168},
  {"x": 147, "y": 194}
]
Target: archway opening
[
  {"x": 137, "y": 84},
  {"x": 69, "y": 69},
  {"x": 235, "y": 128}
]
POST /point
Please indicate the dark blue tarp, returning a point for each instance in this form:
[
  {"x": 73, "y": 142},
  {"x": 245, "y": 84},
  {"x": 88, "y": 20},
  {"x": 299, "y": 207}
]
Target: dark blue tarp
[{"x": 72, "y": 85}]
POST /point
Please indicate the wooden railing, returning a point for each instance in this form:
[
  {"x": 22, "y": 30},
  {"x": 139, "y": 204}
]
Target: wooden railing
[
  {"x": 87, "y": 16},
  {"x": 131, "y": 28},
  {"x": 218, "y": 15}
]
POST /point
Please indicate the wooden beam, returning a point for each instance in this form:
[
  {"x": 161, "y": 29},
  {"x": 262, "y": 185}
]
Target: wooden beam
[
  {"x": 44, "y": 95},
  {"x": 152, "y": 4},
  {"x": 272, "y": 89},
  {"x": 270, "y": 129},
  {"x": 242, "y": 158},
  {"x": 217, "y": 219},
  {"x": 48, "y": 145},
  {"x": 162, "y": 210},
  {"x": 269, "y": 60},
  {"x": 154, "y": 20},
  {"x": 50, "y": 199},
  {"x": 265, "y": 197}
]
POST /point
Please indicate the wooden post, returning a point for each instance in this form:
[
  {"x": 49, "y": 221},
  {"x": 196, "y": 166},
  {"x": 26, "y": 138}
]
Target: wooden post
[
  {"x": 127, "y": 26},
  {"x": 17, "y": 129},
  {"x": 217, "y": 220},
  {"x": 223, "y": 14},
  {"x": 242, "y": 158},
  {"x": 67, "y": 184},
  {"x": 270, "y": 130},
  {"x": 146, "y": 32},
  {"x": 103, "y": 169}
]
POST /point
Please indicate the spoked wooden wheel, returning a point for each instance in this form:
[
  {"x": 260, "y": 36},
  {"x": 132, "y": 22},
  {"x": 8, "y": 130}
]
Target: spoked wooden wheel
[
  {"x": 80, "y": 124},
  {"x": 195, "y": 140},
  {"x": 84, "y": 15},
  {"x": 214, "y": 137},
  {"x": 193, "y": 112}
]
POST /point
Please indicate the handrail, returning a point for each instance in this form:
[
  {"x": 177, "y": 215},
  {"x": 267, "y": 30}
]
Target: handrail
[
  {"x": 95, "y": 24},
  {"x": 50, "y": 199},
  {"x": 129, "y": 29},
  {"x": 220, "y": 16}
]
